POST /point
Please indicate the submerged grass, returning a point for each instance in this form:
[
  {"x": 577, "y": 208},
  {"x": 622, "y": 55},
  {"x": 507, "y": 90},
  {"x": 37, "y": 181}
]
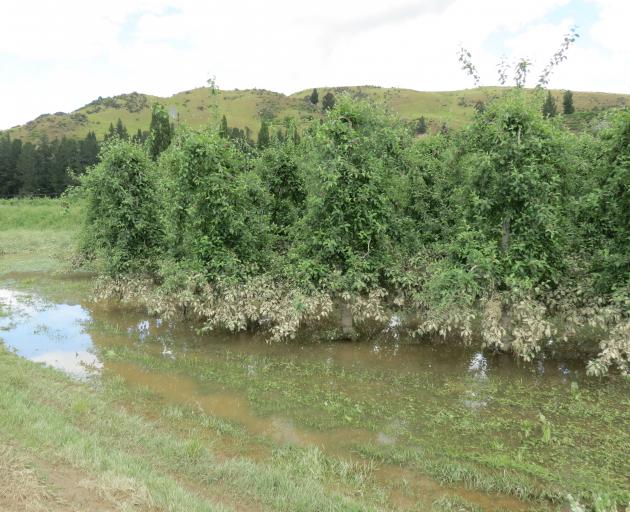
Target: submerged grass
[
  {"x": 517, "y": 437},
  {"x": 45, "y": 411}
]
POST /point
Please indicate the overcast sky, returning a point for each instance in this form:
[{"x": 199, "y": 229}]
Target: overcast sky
[{"x": 60, "y": 55}]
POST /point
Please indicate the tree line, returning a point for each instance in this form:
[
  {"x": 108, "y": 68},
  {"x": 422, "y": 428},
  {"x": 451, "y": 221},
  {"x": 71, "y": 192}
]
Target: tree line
[
  {"x": 44, "y": 168},
  {"x": 512, "y": 232}
]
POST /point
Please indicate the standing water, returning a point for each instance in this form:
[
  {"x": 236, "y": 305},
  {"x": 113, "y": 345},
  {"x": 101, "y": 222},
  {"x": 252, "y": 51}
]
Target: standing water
[{"x": 430, "y": 420}]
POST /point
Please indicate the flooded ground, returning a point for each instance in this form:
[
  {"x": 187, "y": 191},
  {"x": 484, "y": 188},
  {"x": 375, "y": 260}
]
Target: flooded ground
[{"x": 426, "y": 421}]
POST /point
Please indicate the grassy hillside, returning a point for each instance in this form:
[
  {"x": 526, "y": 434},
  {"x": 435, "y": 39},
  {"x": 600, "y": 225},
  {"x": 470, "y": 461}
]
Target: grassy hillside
[{"x": 245, "y": 108}]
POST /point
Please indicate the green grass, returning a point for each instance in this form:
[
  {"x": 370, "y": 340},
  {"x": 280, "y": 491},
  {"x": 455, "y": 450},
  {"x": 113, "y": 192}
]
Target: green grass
[
  {"x": 245, "y": 109},
  {"x": 501, "y": 448},
  {"x": 38, "y": 235},
  {"x": 45, "y": 412}
]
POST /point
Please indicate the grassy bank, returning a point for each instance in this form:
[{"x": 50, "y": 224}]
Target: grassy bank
[{"x": 46, "y": 414}]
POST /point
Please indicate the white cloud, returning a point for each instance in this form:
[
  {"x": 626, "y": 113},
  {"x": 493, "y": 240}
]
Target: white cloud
[{"x": 60, "y": 55}]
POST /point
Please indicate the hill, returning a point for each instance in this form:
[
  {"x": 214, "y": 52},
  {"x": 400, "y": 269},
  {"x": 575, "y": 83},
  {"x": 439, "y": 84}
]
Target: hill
[{"x": 245, "y": 109}]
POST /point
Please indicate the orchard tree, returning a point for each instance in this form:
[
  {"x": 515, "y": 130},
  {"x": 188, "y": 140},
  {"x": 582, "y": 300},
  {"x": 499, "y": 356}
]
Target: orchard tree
[
  {"x": 123, "y": 225},
  {"x": 346, "y": 242}
]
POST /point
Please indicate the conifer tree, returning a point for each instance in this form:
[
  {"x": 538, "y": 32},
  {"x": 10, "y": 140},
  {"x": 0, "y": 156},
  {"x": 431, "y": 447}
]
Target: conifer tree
[
  {"x": 263, "y": 135},
  {"x": 567, "y": 102},
  {"x": 329, "y": 101},
  {"x": 161, "y": 131},
  {"x": 314, "y": 98},
  {"x": 549, "y": 107},
  {"x": 223, "y": 129},
  {"x": 88, "y": 151},
  {"x": 421, "y": 127},
  {"x": 121, "y": 130}
]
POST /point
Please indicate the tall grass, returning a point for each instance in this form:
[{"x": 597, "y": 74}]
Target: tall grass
[{"x": 40, "y": 214}]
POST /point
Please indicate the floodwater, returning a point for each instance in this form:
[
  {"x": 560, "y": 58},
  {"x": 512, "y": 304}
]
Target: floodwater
[{"x": 337, "y": 396}]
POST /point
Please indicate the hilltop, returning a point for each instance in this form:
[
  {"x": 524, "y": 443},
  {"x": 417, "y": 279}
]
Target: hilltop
[{"x": 245, "y": 108}]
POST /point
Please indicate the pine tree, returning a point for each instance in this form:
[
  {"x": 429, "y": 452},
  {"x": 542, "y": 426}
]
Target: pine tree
[
  {"x": 161, "y": 131},
  {"x": 111, "y": 132},
  {"x": 314, "y": 98},
  {"x": 549, "y": 107},
  {"x": 329, "y": 101},
  {"x": 421, "y": 127},
  {"x": 9, "y": 154},
  {"x": 223, "y": 129},
  {"x": 121, "y": 130},
  {"x": 567, "y": 102},
  {"x": 26, "y": 170},
  {"x": 263, "y": 135},
  {"x": 88, "y": 151}
]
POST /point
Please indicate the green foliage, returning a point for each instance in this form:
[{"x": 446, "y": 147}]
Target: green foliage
[
  {"x": 122, "y": 221},
  {"x": 263, "y": 135},
  {"x": 549, "y": 108},
  {"x": 613, "y": 203},
  {"x": 512, "y": 230},
  {"x": 346, "y": 239},
  {"x": 160, "y": 132},
  {"x": 421, "y": 127},
  {"x": 567, "y": 103},
  {"x": 280, "y": 166},
  {"x": 216, "y": 207},
  {"x": 329, "y": 101},
  {"x": 314, "y": 97},
  {"x": 511, "y": 164}
]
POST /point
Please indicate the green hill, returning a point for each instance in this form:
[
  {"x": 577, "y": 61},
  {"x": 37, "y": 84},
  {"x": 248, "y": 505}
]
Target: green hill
[{"x": 245, "y": 109}]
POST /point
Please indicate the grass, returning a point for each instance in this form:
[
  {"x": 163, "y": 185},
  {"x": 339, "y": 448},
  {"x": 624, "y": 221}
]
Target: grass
[
  {"x": 131, "y": 442},
  {"x": 38, "y": 235},
  {"x": 502, "y": 448},
  {"x": 46, "y": 413},
  {"x": 245, "y": 109}
]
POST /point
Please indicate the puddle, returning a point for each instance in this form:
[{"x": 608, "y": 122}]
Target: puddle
[{"x": 52, "y": 334}]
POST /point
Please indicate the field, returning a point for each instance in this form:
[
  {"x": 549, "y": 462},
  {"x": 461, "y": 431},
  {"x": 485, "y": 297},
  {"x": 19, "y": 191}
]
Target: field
[
  {"x": 193, "y": 425},
  {"x": 245, "y": 109}
]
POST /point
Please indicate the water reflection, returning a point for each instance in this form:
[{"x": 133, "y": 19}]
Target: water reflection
[{"x": 53, "y": 334}]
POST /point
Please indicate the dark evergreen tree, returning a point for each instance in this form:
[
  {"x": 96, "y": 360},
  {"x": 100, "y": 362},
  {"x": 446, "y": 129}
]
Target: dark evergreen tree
[
  {"x": 27, "y": 170},
  {"x": 111, "y": 132},
  {"x": 314, "y": 98},
  {"x": 88, "y": 151},
  {"x": 66, "y": 160},
  {"x": 121, "y": 130},
  {"x": 549, "y": 107},
  {"x": 161, "y": 131},
  {"x": 567, "y": 102},
  {"x": 223, "y": 128},
  {"x": 9, "y": 155},
  {"x": 329, "y": 101},
  {"x": 263, "y": 135},
  {"x": 421, "y": 127}
]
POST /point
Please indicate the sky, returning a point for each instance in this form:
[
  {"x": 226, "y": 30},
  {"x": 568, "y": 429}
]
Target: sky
[{"x": 58, "y": 56}]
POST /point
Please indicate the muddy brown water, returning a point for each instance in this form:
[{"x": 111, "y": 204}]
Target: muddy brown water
[{"x": 76, "y": 337}]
